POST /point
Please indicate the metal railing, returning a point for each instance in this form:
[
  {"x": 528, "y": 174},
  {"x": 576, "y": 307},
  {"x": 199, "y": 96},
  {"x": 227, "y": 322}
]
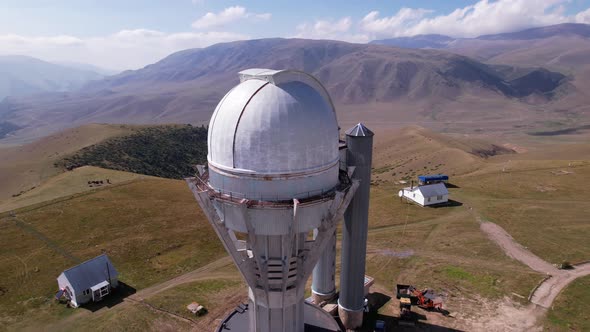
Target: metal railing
[{"x": 236, "y": 196}]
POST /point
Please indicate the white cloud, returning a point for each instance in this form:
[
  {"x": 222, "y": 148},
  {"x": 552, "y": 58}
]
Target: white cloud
[
  {"x": 133, "y": 48},
  {"x": 403, "y": 18},
  {"x": 483, "y": 17},
  {"x": 583, "y": 17},
  {"x": 330, "y": 29},
  {"x": 126, "y": 49},
  {"x": 54, "y": 41},
  {"x": 228, "y": 15}
]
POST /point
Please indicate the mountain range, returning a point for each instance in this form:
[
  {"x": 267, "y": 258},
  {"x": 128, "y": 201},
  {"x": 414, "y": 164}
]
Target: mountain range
[
  {"x": 562, "y": 47},
  {"x": 461, "y": 80},
  {"x": 23, "y": 75}
]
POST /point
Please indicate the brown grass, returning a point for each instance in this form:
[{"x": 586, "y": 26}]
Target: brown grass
[
  {"x": 26, "y": 167},
  {"x": 151, "y": 229}
]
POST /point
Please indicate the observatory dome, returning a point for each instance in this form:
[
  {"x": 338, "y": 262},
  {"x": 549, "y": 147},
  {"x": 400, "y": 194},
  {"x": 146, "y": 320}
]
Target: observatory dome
[{"x": 274, "y": 134}]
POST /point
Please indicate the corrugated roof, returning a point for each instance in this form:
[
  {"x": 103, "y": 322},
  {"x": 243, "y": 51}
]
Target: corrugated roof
[
  {"x": 359, "y": 130},
  {"x": 432, "y": 190},
  {"x": 433, "y": 177},
  {"x": 90, "y": 273}
]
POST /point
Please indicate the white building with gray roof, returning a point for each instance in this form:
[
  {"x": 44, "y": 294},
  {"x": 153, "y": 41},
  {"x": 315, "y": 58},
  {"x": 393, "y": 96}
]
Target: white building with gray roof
[
  {"x": 88, "y": 281},
  {"x": 426, "y": 195}
]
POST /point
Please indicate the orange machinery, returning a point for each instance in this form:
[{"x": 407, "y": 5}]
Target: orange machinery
[{"x": 425, "y": 298}]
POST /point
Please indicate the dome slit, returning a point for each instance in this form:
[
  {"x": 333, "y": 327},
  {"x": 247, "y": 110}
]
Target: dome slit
[{"x": 233, "y": 157}]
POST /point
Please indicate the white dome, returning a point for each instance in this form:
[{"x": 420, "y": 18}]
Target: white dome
[{"x": 274, "y": 125}]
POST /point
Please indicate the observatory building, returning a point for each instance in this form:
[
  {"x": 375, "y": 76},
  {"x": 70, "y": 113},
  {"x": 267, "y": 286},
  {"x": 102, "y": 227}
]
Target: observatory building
[{"x": 277, "y": 182}]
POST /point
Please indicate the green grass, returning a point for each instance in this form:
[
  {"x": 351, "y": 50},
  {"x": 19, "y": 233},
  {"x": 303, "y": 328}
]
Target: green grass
[
  {"x": 451, "y": 254},
  {"x": 134, "y": 317},
  {"x": 544, "y": 212},
  {"x": 66, "y": 184},
  {"x": 570, "y": 310},
  {"x": 151, "y": 229},
  {"x": 208, "y": 293}
]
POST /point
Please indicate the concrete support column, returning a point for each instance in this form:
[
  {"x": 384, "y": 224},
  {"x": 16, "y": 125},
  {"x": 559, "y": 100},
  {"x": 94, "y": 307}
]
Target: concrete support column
[
  {"x": 359, "y": 142},
  {"x": 323, "y": 286}
]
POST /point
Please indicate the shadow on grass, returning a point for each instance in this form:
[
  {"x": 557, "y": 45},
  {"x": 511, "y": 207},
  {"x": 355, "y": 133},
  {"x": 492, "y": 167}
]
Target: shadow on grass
[
  {"x": 117, "y": 296},
  {"x": 450, "y": 203},
  {"x": 416, "y": 322}
]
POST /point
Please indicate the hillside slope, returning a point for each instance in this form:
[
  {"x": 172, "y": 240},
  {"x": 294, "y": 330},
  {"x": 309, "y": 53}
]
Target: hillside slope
[
  {"x": 414, "y": 150},
  {"x": 563, "y": 47},
  {"x": 163, "y": 151},
  {"x": 27, "y": 166}
]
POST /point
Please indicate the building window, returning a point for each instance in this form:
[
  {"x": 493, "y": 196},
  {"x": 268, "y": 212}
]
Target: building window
[
  {"x": 429, "y": 199},
  {"x": 438, "y": 198},
  {"x": 104, "y": 291}
]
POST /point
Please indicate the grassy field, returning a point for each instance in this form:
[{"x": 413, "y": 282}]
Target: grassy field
[
  {"x": 69, "y": 183},
  {"x": 542, "y": 205},
  {"x": 570, "y": 310},
  {"x": 152, "y": 230},
  {"x": 440, "y": 248},
  {"x": 216, "y": 295},
  {"x": 28, "y": 166}
]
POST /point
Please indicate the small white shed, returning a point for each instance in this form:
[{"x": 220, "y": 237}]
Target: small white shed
[
  {"x": 426, "y": 195},
  {"x": 89, "y": 281}
]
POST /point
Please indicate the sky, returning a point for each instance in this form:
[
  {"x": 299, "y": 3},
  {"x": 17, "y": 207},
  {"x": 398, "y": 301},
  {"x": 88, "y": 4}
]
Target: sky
[{"x": 129, "y": 34}]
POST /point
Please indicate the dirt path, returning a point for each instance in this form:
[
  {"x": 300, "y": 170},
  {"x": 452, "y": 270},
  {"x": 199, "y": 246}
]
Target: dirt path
[
  {"x": 204, "y": 272},
  {"x": 557, "y": 280},
  {"x": 547, "y": 291},
  {"x": 514, "y": 250}
]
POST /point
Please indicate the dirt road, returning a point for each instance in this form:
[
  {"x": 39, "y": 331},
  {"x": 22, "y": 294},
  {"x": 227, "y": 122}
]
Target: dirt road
[
  {"x": 514, "y": 250},
  {"x": 208, "y": 271},
  {"x": 204, "y": 272},
  {"x": 547, "y": 291}
]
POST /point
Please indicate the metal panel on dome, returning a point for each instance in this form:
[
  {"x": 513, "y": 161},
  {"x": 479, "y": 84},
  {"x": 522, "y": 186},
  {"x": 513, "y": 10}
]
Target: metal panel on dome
[
  {"x": 279, "y": 77},
  {"x": 225, "y": 119},
  {"x": 286, "y": 129}
]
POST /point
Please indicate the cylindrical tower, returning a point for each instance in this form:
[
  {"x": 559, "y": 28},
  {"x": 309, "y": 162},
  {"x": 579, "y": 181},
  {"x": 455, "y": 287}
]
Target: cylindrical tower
[
  {"x": 359, "y": 141},
  {"x": 323, "y": 286},
  {"x": 273, "y": 176}
]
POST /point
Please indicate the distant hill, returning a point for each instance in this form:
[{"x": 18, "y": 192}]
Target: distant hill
[
  {"x": 186, "y": 86},
  {"x": 26, "y": 166},
  {"x": 88, "y": 67},
  {"x": 163, "y": 151},
  {"x": 23, "y": 75},
  {"x": 563, "y": 47},
  {"x": 565, "y": 29},
  {"x": 418, "y": 41},
  {"x": 442, "y": 41},
  {"x": 408, "y": 152}
]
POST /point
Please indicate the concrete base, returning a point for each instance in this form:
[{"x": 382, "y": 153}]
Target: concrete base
[
  {"x": 316, "y": 319},
  {"x": 351, "y": 320},
  {"x": 319, "y": 298}
]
